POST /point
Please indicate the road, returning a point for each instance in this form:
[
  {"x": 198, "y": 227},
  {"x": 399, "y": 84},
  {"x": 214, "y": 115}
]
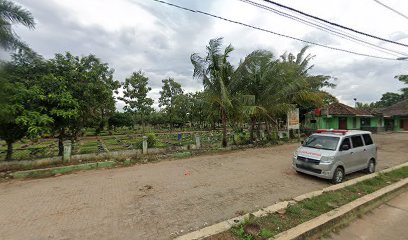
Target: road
[
  {"x": 389, "y": 221},
  {"x": 158, "y": 200}
]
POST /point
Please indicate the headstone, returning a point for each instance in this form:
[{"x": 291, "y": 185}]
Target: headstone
[
  {"x": 67, "y": 151},
  {"x": 144, "y": 145},
  {"x": 262, "y": 134},
  {"x": 198, "y": 142}
]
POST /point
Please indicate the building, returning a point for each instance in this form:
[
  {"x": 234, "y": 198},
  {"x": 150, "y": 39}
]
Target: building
[
  {"x": 396, "y": 116},
  {"x": 341, "y": 116}
]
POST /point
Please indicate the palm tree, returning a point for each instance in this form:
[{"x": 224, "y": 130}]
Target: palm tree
[
  {"x": 215, "y": 71},
  {"x": 11, "y": 13},
  {"x": 277, "y": 85}
]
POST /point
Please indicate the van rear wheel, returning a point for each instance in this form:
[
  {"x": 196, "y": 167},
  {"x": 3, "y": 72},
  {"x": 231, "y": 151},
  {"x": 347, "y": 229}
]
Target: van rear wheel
[
  {"x": 371, "y": 167},
  {"x": 338, "y": 175}
]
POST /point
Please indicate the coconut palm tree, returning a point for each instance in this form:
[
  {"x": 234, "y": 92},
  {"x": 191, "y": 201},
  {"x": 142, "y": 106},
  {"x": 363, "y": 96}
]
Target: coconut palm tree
[
  {"x": 11, "y": 13},
  {"x": 215, "y": 71}
]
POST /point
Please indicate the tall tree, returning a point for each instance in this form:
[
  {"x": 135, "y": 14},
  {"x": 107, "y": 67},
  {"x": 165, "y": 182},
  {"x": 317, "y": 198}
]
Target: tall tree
[
  {"x": 20, "y": 114},
  {"x": 135, "y": 90},
  {"x": 215, "y": 71},
  {"x": 171, "y": 90},
  {"x": 10, "y": 14},
  {"x": 85, "y": 86},
  {"x": 276, "y": 86},
  {"x": 388, "y": 99},
  {"x": 404, "y": 78}
]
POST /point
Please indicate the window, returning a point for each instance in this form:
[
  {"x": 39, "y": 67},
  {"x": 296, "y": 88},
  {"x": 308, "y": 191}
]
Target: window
[
  {"x": 367, "y": 139},
  {"x": 357, "y": 141},
  {"x": 365, "y": 122},
  {"x": 346, "y": 141},
  {"x": 322, "y": 142}
]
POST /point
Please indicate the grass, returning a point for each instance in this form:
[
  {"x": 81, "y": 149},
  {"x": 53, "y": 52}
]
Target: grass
[{"x": 308, "y": 209}]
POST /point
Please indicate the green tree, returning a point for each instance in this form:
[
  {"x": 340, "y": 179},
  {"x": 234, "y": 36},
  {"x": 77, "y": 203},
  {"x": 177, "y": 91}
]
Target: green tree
[
  {"x": 135, "y": 96},
  {"x": 404, "y": 79},
  {"x": 20, "y": 114},
  {"x": 266, "y": 88},
  {"x": 10, "y": 14},
  {"x": 215, "y": 72},
  {"x": 171, "y": 91},
  {"x": 389, "y": 98},
  {"x": 78, "y": 90},
  {"x": 120, "y": 119}
]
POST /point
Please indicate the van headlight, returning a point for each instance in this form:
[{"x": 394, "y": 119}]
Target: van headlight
[
  {"x": 326, "y": 159},
  {"x": 295, "y": 155}
]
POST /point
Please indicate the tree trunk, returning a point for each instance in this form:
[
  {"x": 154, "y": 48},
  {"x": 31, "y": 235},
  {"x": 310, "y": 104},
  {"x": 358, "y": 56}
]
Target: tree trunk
[
  {"x": 252, "y": 130},
  {"x": 224, "y": 127},
  {"x": 61, "y": 142},
  {"x": 9, "y": 154},
  {"x": 143, "y": 123}
]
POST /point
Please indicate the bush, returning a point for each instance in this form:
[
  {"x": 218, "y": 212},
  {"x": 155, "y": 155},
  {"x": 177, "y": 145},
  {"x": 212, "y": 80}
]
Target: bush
[{"x": 151, "y": 140}]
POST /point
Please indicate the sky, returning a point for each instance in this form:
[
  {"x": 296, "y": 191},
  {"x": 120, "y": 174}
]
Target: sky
[{"x": 132, "y": 35}]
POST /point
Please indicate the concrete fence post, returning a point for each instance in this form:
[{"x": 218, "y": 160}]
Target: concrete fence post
[
  {"x": 144, "y": 145},
  {"x": 262, "y": 134},
  {"x": 198, "y": 142},
  {"x": 67, "y": 151}
]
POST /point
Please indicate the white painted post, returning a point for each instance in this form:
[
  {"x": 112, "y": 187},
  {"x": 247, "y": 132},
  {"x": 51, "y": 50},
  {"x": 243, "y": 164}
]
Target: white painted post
[
  {"x": 198, "y": 141},
  {"x": 144, "y": 145},
  {"x": 262, "y": 134},
  {"x": 67, "y": 151}
]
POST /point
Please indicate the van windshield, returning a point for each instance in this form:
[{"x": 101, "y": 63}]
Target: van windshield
[{"x": 322, "y": 142}]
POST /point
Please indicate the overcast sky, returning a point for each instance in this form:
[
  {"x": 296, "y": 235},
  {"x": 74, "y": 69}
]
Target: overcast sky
[{"x": 141, "y": 34}]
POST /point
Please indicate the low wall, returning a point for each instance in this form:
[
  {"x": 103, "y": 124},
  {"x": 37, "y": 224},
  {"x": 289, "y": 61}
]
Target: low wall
[
  {"x": 118, "y": 155},
  {"x": 29, "y": 164}
]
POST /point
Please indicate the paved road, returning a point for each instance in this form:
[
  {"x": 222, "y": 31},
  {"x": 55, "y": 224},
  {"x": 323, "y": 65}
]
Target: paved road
[
  {"x": 153, "y": 201},
  {"x": 389, "y": 221}
]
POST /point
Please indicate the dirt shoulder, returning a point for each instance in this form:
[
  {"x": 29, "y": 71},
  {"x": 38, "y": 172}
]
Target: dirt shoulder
[{"x": 155, "y": 201}]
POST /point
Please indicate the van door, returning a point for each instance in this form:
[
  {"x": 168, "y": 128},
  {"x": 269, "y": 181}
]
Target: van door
[
  {"x": 360, "y": 152},
  {"x": 370, "y": 148},
  {"x": 346, "y": 155}
]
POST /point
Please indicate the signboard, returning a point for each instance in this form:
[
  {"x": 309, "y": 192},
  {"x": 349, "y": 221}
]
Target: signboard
[{"x": 293, "y": 119}]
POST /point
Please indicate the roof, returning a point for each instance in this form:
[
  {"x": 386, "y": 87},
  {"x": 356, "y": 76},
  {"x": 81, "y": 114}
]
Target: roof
[
  {"x": 398, "y": 109},
  {"x": 341, "y": 109}
]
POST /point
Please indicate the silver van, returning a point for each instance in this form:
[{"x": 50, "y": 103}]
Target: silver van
[{"x": 331, "y": 154}]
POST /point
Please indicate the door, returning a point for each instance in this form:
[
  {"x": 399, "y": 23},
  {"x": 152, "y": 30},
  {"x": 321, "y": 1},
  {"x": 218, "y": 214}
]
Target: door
[
  {"x": 342, "y": 123},
  {"x": 359, "y": 152},
  {"x": 404, "y": 124},
  {"x": 346, "y": 156},
  {"x": 370, "y": 148}
]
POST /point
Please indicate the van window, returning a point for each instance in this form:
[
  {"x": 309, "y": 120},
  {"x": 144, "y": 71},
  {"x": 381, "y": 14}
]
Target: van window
[
  {"x": 357, "y": 141},
  {"x": 367, "y": 139},
  {"x": 322, "y": 142},
  {"x": 346, "y": 141}
]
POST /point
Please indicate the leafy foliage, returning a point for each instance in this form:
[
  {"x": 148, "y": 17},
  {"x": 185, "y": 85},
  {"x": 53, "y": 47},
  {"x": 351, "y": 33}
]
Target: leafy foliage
[
  {"x": 135, "y": 95},
  {"x": 11, "y": 13}
]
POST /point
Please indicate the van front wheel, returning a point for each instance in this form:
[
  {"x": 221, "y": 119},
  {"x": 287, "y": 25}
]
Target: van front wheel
[{"x": 338, "y": 175}]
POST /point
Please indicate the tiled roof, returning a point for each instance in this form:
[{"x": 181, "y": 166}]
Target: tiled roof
[
  {"x": 344, "y": 110},
  {"x": 398, "y": 109}
]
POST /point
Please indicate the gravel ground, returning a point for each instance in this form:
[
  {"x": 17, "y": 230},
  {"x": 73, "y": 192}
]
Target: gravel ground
[{"x": 161, "y": 200}]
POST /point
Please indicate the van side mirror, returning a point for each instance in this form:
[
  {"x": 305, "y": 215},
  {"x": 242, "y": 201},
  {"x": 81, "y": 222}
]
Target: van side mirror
[
  {"x": 345, "y": 147},
  {"x": 302, "y": 142}
]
